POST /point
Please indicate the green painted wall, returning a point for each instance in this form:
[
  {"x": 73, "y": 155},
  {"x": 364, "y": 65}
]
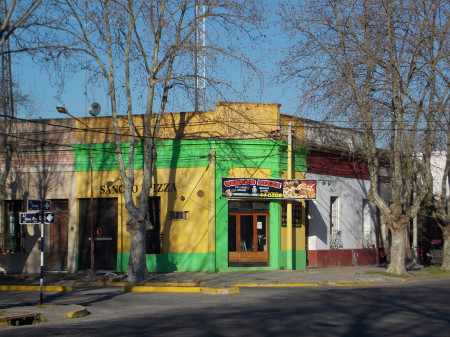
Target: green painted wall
[
  {"x": 298, "y": 259},
  {"x": 267, "y": 154},
  {"x": 171, "y": 262}
]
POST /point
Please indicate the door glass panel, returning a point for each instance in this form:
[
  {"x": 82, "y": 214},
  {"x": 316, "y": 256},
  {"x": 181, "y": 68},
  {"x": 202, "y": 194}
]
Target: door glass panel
[
  {"x": 232, "y": 233},
  {"x": 261, "y": 227},
  {"x": 246, "y": 233}
]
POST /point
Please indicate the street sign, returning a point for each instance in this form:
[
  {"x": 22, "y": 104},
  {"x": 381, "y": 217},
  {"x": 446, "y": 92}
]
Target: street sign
[
  {"x": 29, "y": 218},
  {"x": 36, "y": 205},
  {"x": 39, "y": 217},
  {"x": 49, "y": 218}
]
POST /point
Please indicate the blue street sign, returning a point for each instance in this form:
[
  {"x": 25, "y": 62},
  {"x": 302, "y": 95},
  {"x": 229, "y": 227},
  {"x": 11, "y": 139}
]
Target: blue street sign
[
  {"x": 36, "y": 205},
  {"x": 49, "y": 218},
  {"x": 29, "y": 218}
]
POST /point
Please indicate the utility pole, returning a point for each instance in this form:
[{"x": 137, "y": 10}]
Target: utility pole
[{"x": 289, "y": 204}]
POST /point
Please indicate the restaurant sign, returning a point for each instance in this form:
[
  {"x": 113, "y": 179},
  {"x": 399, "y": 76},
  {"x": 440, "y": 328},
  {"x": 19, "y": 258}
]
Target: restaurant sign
[{"x": 268, "y": 188}]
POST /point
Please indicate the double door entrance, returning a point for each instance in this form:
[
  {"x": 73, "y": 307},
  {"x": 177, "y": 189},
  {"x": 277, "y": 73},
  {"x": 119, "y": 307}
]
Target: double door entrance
[
  {"x": 104, "y": 226},
  {"x": 248, "y": 238}
]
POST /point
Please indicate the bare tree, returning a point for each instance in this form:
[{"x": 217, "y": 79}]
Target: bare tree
[
  {"x": 145, "y": 50},
  {"x": 382, "y": 65},
  {"x": 14, "y": 16}
]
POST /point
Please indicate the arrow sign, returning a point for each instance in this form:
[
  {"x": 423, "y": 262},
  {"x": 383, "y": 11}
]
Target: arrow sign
[
  {"x": 29, "y": 218},
  {"x": 37, "y": 205},
  {"x": 49, "y": 218}
]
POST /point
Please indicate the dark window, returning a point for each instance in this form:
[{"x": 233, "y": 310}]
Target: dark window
[
  {"x": 297, "y": 212},
  {"x": 59, "y": 205},
  {"x": 248, "y": 206},
  {"x": 153, "y": 243},
  {"x": 11, "y": 236}
]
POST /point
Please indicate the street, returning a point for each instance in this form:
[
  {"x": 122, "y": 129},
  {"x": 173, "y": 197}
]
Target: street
[{"x": 411, "y": 309}]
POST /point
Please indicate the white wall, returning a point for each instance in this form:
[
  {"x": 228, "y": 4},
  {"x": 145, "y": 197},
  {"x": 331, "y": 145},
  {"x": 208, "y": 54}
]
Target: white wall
[
  {"x": 438, "y": 160},
  {"x": 351, "y": 193}
]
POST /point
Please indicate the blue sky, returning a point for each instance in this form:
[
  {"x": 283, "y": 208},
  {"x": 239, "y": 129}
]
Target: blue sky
[{"x": 36, "y": 83}]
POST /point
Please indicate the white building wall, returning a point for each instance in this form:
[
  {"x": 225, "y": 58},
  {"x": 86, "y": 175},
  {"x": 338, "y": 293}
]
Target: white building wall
[
  {"x": 351, "y": 194},
  {"x": 438, "y": 161}
]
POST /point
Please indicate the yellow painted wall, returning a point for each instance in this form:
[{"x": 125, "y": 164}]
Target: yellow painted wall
[
  {"x": 298, "y": 238},
  {"x": 191, "y": 195},
  {"x": 298, "y": 233},
  {"x": 228, "y": 120},
  {"x": 247, "y": 172}
]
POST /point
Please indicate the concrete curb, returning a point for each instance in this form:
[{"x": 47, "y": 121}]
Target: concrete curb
[
  {"x": 36, "y": 288},
  {"x": 162, "y": 289},
  {"x": 79, "y": 312},
  {"x": 274, "y": 285},
  {"x": 316, "y": 284},
  {"x": 221, "y": 291},
  {"x": 183, "y": 289},
  {"x": 128, "y": 284}
]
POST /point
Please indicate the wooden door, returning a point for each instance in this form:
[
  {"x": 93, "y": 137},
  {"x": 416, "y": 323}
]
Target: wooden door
[
  {"x": 56, "y": 237},
  {"x": 248, "y": 238}
]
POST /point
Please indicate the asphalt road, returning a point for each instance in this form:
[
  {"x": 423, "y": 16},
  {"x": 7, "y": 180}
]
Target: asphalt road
[{"x": 412, "y": 309}]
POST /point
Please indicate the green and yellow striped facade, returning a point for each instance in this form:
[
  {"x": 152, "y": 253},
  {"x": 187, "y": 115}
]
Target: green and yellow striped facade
[{"x": 194, "y": 152}]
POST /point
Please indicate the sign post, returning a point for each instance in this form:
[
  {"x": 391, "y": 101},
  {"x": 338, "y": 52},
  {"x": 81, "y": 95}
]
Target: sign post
[
  {"x": 41, "y": 282},
  {"x": 39, "y": 216}
]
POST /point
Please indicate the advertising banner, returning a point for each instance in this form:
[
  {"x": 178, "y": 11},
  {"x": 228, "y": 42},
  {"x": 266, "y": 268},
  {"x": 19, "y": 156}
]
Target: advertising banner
[{"x": 268, "y": 188}]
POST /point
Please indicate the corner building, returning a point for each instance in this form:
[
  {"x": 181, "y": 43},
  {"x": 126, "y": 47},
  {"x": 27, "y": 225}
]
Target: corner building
[{"x": 199, "y": 223}]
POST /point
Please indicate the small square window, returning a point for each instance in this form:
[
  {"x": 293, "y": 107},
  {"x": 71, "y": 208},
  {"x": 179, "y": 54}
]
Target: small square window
[{"x": 182, "y": 215}]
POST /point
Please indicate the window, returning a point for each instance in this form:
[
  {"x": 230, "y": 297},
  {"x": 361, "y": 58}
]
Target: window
[
  {"x": 297, "y": 211},
  {"x": 179, "y": 215},
  {"x": 11, "y": 236},
  {"x": 248, "y": 206},
  {"x": 153, "y": 242},
  {"x": 334, "y": 214},
  {"x": 366, "y": 216}
]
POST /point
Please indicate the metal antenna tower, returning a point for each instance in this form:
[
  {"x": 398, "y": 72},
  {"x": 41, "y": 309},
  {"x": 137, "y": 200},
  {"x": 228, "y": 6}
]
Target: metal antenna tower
[{"x": 200, "y": 56}]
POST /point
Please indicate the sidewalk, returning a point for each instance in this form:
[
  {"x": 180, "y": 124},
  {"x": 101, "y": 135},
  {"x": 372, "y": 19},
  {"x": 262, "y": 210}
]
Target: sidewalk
[
  {"x": 309, "y": 276},
  {"x": 206, "y": 283}
]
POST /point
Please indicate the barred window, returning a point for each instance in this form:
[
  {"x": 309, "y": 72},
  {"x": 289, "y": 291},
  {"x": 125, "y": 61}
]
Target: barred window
[{"x": 11, "y": 234}]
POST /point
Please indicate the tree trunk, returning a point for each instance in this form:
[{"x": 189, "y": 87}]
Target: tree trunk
[
  {"x": 398, "y": 251},
  {"x": 137, "y": 267},
  {"x": 446, "y": 249}
]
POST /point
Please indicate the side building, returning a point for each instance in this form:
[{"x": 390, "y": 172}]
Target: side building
[
  {"x": 343, "y": 225},
  {"x": 220, "y": 199}
]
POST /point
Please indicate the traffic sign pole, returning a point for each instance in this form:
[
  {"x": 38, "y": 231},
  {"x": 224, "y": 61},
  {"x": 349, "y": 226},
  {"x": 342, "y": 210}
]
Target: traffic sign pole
[
  {"x": 41, "y": 217},
  {"x": 42, "y": 261}
]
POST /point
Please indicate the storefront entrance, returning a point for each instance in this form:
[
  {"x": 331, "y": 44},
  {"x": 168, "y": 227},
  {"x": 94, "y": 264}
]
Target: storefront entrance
[
  {"x": 247, "y": 238},
  {"x": 105, "y": 234},
  {"x": 248, "y": 234}
]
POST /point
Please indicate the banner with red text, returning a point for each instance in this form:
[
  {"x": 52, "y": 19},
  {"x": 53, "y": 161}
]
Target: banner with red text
[{"x": 268, "y": 188}]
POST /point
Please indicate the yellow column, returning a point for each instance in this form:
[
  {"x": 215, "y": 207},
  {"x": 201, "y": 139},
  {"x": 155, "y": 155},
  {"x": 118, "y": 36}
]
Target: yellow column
[{"x": 289, "y": 204}]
